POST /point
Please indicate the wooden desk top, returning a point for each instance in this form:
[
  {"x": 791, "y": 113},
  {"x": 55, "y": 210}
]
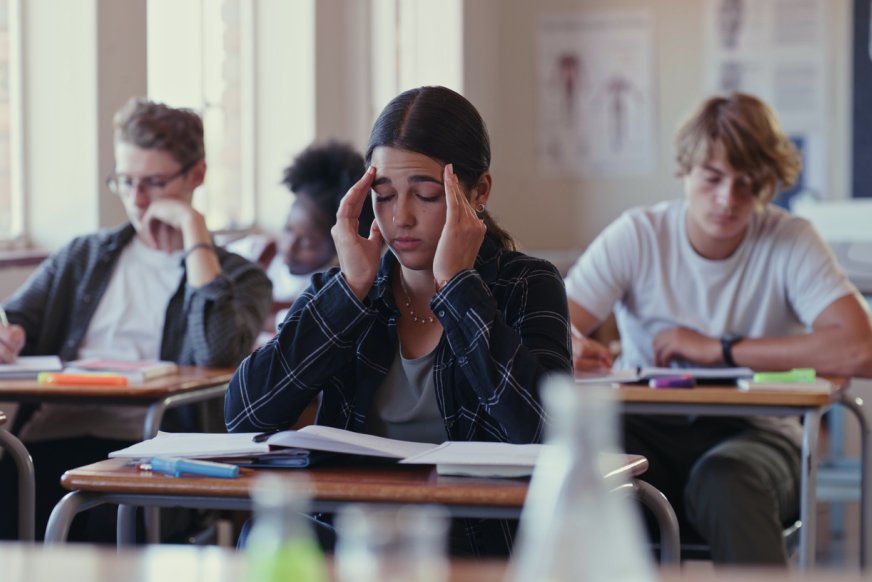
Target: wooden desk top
[
  {"x": 730, "y": 395},
  {"x": 188, "y": 378},
  {"x": 385, "y": 483}
]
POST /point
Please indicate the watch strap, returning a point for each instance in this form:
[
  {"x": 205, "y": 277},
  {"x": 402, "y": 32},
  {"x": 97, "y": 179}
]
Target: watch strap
[{"x": 727, "y": 343}]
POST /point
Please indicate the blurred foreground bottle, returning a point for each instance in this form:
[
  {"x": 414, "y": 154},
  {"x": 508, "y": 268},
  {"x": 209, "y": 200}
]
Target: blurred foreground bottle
[
  {"x": 380, "y": 543},
  {"x": 573, "y": 527},
  {"x": 282, "y": 546}
]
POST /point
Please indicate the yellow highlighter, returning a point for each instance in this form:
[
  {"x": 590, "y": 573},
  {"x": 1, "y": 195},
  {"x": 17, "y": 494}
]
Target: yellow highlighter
[
  {"x": 798, "y": 375},
  {"x": 81, "y": 379}
]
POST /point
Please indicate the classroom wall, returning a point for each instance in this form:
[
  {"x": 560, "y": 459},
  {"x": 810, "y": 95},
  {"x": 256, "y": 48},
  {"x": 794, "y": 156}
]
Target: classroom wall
[
  {"x": 70, "y": 97},
  {"x": 500, "y": 79}
]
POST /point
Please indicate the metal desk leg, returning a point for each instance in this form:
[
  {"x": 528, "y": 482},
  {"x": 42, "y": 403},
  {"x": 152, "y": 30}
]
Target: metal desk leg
[
  {"x": 836, "y": 451},
  {"x": 855, "y": 405},
  {"x": 808, "y": 495},
  {"x": 152, "y": 524},
  {"x": 63, "y": 513},
  {"x": 153, "y": 418},
  {"x": 155, "y": 412},
  {"x": 653, "y": 499},
  {"x": 126, "y": 526},
  {"x": 26, "y": 485}
]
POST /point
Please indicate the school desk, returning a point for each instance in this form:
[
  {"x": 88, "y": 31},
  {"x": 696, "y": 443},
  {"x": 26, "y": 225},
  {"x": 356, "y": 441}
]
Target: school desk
[
  {"x": 190, "y": 385},
  {"x": 26, "y": 488},
  {"x": 730, "y": 401},
  {"x": 117, "y": 481}
]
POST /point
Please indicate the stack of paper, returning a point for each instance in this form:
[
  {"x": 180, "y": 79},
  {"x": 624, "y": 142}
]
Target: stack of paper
[
  {"x": 30, "y": 366},
  {"x": 133, "y": 370},
  {"x": 194, "y": 445},
  {"x": 643, "y": 374},
  {"x": 480, "y": 459}
]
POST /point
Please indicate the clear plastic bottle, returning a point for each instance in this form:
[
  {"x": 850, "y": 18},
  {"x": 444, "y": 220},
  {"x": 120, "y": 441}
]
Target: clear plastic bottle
[
  {"x": 282, "y": 546},
  {"x": 379, "y": 543},
  {"x": 573, "y": 527}
]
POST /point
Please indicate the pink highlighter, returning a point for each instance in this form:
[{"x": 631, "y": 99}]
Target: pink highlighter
[{"x": 683, "y": 381}]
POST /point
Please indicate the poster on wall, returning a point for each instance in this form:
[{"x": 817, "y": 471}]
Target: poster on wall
[
  {"x": 778, "y": 51},
  {"x": 595, "y": 94}
]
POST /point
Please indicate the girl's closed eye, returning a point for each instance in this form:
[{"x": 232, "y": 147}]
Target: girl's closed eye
[
  {"x": 383, "y": 196},
  {"x": 429, "y": 192},
  {"x": 430, "y": 198}
]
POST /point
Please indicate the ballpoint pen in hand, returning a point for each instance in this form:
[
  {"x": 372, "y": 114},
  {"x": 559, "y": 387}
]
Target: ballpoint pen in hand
[{"x": 4, "y": 321}]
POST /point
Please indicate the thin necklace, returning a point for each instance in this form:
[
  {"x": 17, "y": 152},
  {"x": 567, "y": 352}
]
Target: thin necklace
[{"x": 415, "y": 317}]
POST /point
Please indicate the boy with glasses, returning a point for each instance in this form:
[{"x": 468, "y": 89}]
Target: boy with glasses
[{"x": 154, "y": 288}]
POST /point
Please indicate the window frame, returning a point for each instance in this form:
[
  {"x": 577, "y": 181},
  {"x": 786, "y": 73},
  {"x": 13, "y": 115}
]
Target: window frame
[{"x": 17, "y": 237}]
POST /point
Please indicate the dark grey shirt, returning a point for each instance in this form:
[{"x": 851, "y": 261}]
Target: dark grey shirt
[
  {"x": 405, "y": 406},
  {"x": 213, "y": 325}
]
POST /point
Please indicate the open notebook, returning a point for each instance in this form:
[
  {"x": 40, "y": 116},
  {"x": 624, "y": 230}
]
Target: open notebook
[{"x": 456, "y": 458}]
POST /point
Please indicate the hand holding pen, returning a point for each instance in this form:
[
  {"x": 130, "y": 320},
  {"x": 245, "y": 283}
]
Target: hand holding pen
[
  {"x": 589, "y": 355},
  {"x": 12, "y": 339}
]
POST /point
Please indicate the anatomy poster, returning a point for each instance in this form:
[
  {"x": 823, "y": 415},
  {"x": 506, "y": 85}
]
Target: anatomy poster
[
  {"x": 596, "y": 94},
  {"x": 778, "y": 51}
]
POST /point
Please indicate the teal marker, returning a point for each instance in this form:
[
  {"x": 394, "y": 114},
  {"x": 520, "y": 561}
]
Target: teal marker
[{"x": 799, "y": 375}]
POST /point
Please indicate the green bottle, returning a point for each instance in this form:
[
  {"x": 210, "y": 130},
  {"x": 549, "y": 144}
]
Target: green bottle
[{"x": 282, "y": 546}]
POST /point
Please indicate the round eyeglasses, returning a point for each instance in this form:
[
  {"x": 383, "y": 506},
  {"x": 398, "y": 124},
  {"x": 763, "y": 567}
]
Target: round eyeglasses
[{"x": 124, "y": 184}]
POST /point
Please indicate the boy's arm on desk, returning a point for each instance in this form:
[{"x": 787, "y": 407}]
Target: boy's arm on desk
[{"x": 840, "y": 344}]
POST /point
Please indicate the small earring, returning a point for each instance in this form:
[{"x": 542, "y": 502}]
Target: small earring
[{"x": 479, "y": 208}]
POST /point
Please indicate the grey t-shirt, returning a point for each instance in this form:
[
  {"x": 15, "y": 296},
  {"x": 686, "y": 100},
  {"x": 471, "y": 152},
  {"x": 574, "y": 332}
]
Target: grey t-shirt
[{"x": 405, "y": 405}]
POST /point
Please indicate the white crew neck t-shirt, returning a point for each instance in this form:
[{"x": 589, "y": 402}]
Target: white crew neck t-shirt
[
  {"x": 776, "y": 283},
  {"x": 128, "y": 324}
]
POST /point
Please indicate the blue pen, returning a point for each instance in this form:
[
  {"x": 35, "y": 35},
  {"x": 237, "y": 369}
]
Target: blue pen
[{"x": 176, "y": 467}]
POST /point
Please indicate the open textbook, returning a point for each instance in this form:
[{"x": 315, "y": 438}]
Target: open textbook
[
  {"x": 630, "y": 375},
  {"x": 456, "y": 458}
]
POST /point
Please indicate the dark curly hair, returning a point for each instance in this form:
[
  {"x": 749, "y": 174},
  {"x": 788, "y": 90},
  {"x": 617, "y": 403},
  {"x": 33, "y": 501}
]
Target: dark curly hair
[{"x": 324, "y": 173}]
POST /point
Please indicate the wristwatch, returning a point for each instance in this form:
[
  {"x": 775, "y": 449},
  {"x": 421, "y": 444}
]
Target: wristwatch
[{"x": 727, "y": 343}]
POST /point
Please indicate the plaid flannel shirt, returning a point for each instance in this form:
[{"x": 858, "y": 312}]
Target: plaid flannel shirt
[{"x": 505, "y": 323}]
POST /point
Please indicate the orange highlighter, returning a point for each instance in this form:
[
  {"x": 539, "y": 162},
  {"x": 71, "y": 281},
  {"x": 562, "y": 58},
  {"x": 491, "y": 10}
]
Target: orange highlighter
[{"x": 81, "y": 379}]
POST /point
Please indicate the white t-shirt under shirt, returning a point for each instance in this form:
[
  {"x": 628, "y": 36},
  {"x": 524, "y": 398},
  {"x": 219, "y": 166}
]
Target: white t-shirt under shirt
[
  {"x": 127, "y": 325},
  {"x": 776, "y": 283}
]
